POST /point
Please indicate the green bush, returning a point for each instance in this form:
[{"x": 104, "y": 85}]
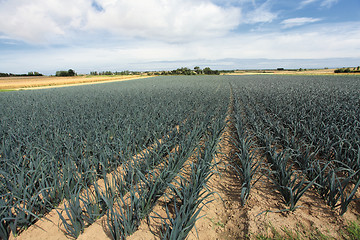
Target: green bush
[{"x": 68, "y": 73}]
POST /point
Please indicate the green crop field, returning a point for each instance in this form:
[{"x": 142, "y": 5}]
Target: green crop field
[{"x": 112, "y": 151}]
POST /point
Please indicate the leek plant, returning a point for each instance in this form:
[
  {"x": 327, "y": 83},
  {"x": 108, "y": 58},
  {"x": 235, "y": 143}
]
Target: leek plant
[
  {"x": 291, "y": 184},
  {"x": 123, "y": 215},
  {"x": 93, "y": 209},
  {"x": 6, "y": 218},
  {"x": 346, "y": 199},
  {"x": 246, "y": 164},
  {"x": 305, "y": 157},
  {"x": 188, "y": 203},
  {"x": 247, "y": 168},
  {"x": 74, "y": 212}
]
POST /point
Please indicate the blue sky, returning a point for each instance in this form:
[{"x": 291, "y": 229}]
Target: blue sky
[{"x": 115, "y": 35}]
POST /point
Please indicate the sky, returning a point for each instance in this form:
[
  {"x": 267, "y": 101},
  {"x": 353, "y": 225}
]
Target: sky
[{"x": 143, "y": 35}]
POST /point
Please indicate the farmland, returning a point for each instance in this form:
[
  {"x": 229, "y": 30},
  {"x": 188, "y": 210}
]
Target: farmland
[
  {"x": 20, "y": 83},
  {"x": 236, "y": 156}
]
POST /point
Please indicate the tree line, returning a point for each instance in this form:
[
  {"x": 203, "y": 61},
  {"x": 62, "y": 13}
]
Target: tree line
[
  {"x": 29, "y": 74},
  {"x": 347, "y": 70},
  {"x": 187, "y": 71}
]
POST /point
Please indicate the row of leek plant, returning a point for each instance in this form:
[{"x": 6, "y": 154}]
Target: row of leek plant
[
  {"x": 189, "y": 195},
  {"x": 290, "y": 183},
  {"x": 245, "y": 160}
]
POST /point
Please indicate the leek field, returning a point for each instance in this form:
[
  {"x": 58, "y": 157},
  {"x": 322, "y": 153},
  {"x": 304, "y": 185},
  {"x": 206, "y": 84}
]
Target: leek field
[{"x": 112, "y": 151}]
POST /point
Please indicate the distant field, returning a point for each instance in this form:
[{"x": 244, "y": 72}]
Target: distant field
[
  {"x": 329, "y": 71},
  {"x": 17, "y": 83},
  {"x": 22, "y": 83}
]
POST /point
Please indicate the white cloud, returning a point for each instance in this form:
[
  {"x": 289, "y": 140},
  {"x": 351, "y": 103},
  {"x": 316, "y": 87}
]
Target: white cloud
[
  {"x": 176, "y": 20},
  {"x": 328, "y": 3},
  {"x": 315, "y": 42},
  {"x": 118, "y": 33},
  {"x": 261, "y": 14},
  {"x": 323, "y": 3},
  {"x": 306, "y": 2},
  {"x": 320, "y": 41},
  {"x": 40, "y": 21},
  {"x": 294, "y": 22}
]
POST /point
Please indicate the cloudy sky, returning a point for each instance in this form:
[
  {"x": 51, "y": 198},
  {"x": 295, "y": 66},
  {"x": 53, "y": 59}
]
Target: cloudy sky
[{"x": 88, "y": 35}]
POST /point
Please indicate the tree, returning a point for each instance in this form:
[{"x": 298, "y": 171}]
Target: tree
[
  {"x": 342, "y": 70},
  {"x": 34, "y": 74},
  {"x": 71, "y": 72},
  {"x": 198, "y": 70},
  {"x": 4, "y": 74},
  {"x": 68, "y": 73},
  {"x": 207, "y": 70}
]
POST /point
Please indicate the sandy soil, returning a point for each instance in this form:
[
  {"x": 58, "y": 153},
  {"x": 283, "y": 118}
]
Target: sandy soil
[{"x": 23, "y": 83}]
